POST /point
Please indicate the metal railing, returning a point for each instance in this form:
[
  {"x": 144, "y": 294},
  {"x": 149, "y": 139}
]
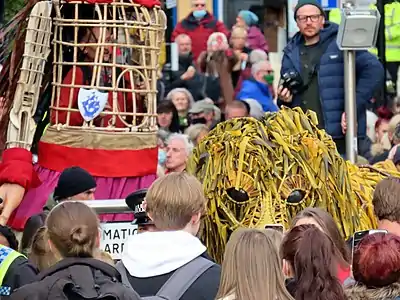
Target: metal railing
[{"x": 110, "y": 206}]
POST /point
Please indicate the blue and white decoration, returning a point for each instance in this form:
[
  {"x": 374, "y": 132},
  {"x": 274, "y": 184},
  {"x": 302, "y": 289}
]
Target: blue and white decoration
[{"x": 91, "y": 103}]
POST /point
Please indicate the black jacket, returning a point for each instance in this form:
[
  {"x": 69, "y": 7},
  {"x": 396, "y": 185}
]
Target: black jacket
[
  {"x": 204, "y": 288},
  {"x": 20, "y": 273},
  {"x": 77, "y": 278}
]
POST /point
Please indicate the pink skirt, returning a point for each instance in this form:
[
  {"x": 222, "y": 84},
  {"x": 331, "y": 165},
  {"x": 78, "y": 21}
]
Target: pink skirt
[{"x": 107, "y": 188}]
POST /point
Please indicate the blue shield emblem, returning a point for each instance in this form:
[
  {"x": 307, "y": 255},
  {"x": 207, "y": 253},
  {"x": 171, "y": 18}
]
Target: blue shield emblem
[{"x": 91, "y": 103}]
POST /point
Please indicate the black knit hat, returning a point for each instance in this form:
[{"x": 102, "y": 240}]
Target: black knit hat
[
  {"x": 135, "y": 202},
  {"x": 73, "y": 181},
  {"x": 301, "y": 3}
]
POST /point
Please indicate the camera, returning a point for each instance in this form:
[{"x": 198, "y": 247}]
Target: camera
[{"x": 292, "y": 81}]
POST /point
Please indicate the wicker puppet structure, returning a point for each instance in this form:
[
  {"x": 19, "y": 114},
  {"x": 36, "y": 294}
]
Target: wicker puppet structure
[
  {"x": 98, "y": 109},
  {"x": 264, "y": 172}
]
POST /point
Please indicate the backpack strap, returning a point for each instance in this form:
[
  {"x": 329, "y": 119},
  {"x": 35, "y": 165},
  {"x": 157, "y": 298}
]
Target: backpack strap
[
  {"x": 182, "y": 279},
  {"x": 124, "y": 276}
]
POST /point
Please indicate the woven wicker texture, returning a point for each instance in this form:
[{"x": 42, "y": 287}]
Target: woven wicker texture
[
  {"x": 110, "y": 51},
  {"x": 21, "y": 127}
]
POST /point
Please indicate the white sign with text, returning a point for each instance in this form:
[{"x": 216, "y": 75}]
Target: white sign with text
[{"x": 114, "y": 236}]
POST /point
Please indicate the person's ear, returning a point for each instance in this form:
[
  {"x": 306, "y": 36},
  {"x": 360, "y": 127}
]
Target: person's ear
[
  {"x": 144, "y": 204},
  {"x": 195, "y": 219},
  {"x": 287, "y": 270},
  {"x": 150, "y": 216},
  {"x": 323, "y": 20}
]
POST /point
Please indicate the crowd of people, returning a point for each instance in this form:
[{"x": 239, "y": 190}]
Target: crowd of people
[
  {"x": 224, "y": 74},
  {"x": 227, "y": 74},
  {"x": 311, "y": 260}
]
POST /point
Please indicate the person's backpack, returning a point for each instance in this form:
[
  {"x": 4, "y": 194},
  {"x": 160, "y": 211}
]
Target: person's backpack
[
  {"x": 97, "y": 281},
  {"x": 179, "y": 282}
]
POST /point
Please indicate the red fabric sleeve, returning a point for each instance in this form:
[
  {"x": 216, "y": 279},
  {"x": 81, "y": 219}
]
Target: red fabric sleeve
[
  {"x": 221, "y": 28},
  {"x": 148, "y": 3},
  {"x": 17, "y": 167},
  {"x": 75, "y": 117}
]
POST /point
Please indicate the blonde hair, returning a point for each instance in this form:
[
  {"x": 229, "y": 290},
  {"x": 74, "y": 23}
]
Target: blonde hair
[
  {"x": 394, "y": 121},
  {"x": 275, "y": 236},
  {"x": 104, "y": 257},
  {"x": 173, "y": 199},
  {"x": 40, "y": 253},
  {"x": 252, "y": 268},
  {"x": 73, "y": 228}
]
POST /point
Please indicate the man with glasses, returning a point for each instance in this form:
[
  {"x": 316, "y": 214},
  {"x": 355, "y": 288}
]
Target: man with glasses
[
  {"x": 199, "y": 25},
  {"x": 313, "y": 58}
]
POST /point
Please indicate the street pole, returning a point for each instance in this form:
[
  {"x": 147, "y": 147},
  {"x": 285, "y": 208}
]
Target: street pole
[
  {"x": 357, "y": 31},
  {"x": 350, "y": 105},
  {"x": 2, "y": 7},
  {"x": 381, "y": 47}
]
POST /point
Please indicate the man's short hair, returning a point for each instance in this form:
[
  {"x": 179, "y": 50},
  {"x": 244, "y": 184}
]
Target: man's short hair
[
  {"x": 173, "y": 199},
  {"x": 257, "y": 55},
  {"x": 259, "y": 66},
  {"x": 238, "y": 104},
  {"x": 182, "y": 36},
  {"x": 185, "y": 139},
  {"x": 386, "y": 200}
]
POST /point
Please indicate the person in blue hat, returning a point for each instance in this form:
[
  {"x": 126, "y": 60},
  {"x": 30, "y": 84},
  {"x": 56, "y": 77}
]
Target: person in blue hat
[{"x": 255, "y": 38}]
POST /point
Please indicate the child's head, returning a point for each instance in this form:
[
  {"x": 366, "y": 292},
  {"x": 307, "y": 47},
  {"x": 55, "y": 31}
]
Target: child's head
[{"x": 7, "y": 238}]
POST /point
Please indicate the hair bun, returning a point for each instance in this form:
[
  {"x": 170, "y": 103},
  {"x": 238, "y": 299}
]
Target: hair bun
[{"x": 80, "y": 235}]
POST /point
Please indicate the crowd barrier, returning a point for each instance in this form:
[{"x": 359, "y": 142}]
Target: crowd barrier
[{"x": 113, "y": 234}]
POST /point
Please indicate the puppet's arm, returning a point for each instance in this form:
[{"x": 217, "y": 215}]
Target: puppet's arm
[{"x": 16, "y": 169}]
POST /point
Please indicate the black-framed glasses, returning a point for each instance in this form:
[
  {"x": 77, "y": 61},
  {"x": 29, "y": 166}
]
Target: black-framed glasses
[{"x": 312, "y": 18}]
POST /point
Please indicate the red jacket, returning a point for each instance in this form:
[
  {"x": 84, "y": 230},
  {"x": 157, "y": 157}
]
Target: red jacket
[{"x": 199, "y": 31}]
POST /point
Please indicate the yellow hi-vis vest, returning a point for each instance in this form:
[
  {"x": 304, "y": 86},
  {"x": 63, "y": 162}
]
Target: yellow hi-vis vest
[
  {"x": 7, "y": 257},
  {"x": 392, "y": 29}
]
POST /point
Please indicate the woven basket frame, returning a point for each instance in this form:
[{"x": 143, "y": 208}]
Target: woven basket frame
[{"x": 137, "y": 33}]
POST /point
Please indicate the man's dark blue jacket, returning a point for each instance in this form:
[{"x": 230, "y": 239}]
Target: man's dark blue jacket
[{"x": 369, "y": 75}]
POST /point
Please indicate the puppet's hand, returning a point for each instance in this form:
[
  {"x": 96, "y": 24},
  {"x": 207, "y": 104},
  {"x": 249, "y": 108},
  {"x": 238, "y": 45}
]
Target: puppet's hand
[{"x": 12, "y": 195}]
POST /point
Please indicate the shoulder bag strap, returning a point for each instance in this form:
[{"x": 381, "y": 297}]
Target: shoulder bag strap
[
  {"x": 124, "y": 276},
  {"x": 181, "y": 280}
]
